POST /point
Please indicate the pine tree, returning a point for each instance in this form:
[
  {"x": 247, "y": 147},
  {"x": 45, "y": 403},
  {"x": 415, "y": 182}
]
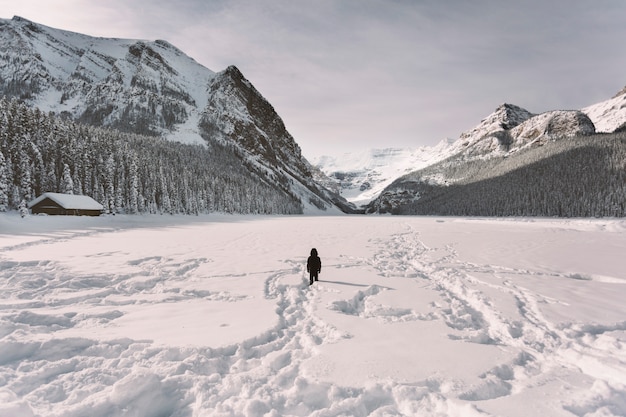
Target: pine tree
[
  {"x": 26, "y": 184},
  {"x": 67, "y": 186},
  {"x": 109, "y": 178},
  {"x": 23, "y": 209},
  {"x": 166, "y": 204},
  {"x": 133, "y": 192},
  {"x": 4, "y": 186}
]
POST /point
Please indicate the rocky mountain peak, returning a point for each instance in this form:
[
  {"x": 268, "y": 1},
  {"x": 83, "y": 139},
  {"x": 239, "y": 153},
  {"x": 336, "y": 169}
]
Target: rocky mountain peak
[
  {"x": 505, "y": 116},
  {"x": 234, "y": 72},
  {"x": 511, "y": 115},
  {"x": 511, "y": 127},
  {"x": 552, "y": 125},
  {"x": 238, "y": 111},
  {"x": 491, "y": 133}
]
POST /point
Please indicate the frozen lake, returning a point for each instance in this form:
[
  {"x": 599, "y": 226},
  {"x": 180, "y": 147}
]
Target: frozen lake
[{"x": 198, "y": 316}]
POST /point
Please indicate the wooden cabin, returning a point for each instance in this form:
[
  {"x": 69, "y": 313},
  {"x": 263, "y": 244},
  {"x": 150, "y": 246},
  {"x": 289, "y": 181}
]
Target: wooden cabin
[{"x": 65, "y": 204}]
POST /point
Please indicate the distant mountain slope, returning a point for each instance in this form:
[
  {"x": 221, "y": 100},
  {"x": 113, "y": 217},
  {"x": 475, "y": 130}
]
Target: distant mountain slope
[
  {"x": 133, "y": 85},
  {"x": 153, "y": 88},
  {"x": 510, "y": 128},
  {"x": 361, "y": 176},
  {"x": 518, "y": 163},
  {"x": 609, "y": 115},
  {"x": 580, "y": 177}
]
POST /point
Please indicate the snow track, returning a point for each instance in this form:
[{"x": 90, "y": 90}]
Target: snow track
[
  {"x": 543, "y": 345},
  {"x": 412, "y": 316}
]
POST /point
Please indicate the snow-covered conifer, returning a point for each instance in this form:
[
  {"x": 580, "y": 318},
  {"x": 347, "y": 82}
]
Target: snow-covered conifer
[
  {"x": 23, "y": 209},
  {"x": 4, "y": 186},
  {"x": 67, "y": 186}
]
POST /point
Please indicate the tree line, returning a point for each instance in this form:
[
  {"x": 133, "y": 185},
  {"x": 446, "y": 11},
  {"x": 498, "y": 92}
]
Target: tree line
[
  {"x": 127, "y": 173},
  {"x": 570, "y": 177}
]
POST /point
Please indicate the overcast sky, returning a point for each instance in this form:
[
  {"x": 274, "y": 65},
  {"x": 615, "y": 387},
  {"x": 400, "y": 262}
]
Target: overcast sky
[{"x": 352, "y": 74}]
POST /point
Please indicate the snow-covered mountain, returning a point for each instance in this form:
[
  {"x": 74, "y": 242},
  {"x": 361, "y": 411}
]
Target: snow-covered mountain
[
  {"x": 140, "y": 86},
  {"x": 609, "y": 115},
  {"x": 510, "y": 128},
  {"x": 505, "y": 117},
  {"x": 482, "y": 154},
  {"x": 361, "y": 176},
  {"x": 153, "y": 88}
]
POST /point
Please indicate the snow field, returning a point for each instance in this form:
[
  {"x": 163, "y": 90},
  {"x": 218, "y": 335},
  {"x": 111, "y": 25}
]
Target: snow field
[{"x": 186, "y": 316}]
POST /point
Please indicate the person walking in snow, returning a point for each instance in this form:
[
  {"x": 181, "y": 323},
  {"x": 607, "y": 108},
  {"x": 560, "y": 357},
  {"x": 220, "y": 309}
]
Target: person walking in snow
[{"x": 313, "y": 266}]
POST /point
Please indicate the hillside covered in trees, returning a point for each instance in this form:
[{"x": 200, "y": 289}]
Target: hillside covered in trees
[
  {"x": 584, "y": 176},
  {"x": 128, "y": 173}
]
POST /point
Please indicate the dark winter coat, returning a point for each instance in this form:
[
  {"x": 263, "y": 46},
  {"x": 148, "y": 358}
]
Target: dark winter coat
[{"x": 314, "y": 263}]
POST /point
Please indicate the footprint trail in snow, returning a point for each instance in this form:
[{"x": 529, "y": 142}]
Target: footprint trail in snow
[{"x": 215, "y": 318}]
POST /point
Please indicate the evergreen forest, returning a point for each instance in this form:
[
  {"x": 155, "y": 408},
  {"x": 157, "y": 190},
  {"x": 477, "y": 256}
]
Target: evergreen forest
[
  {"x": 127, "y": 173},
  {"x": 583, "y": 176}
]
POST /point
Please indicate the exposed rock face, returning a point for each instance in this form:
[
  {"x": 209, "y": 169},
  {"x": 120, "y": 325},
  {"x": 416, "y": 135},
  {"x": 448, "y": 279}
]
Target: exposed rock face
[
  {"x": 491, "y": 133},
  {"x": 237, "y": 113},
  {"x": 505, "y": 117},
  {"x": 510, "y": 127},
  {"x": 551, "y": 125},
  {"x": 237, "y": 110}
]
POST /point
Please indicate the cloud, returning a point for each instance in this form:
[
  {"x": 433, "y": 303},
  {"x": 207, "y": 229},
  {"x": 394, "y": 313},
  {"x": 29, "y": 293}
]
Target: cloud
[{"x": 345, "y": 74}]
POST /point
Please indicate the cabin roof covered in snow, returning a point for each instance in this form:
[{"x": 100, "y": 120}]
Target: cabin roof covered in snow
[{"x": 69, "y": 201}]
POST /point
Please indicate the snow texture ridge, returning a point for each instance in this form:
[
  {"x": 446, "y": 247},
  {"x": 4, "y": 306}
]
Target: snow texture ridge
[{"x": 609, "y": 115}]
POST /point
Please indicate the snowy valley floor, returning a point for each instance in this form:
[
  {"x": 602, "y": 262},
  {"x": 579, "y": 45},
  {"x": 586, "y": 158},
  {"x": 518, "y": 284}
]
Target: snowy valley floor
[{"x": 213, "y": 316}]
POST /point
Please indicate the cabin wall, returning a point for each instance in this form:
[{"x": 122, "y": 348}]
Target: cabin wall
[
  {"x": 64, "y": 212},
  {"x": 49, "y": 207}
]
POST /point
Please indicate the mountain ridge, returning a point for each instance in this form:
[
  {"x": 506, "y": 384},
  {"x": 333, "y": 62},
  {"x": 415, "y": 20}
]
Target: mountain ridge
[
  {"x": 150, "y": 86},
  {"x": 153, "y": 88},
  {"x": 484, "y": 159},
  {"x": 507, "y": 130}
]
